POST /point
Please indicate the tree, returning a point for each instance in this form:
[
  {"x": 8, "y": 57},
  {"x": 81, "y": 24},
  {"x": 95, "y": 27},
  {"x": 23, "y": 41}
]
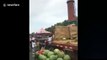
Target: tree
[
  {"x": 32, "y": 34},
  {"x": 50, "y": 29},
  {"x": 65, "y": 23}
]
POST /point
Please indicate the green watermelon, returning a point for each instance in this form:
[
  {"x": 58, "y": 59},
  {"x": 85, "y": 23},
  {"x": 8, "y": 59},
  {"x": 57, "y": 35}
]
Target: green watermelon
[
  {"x": 47, "y": 59},
  {"x": 61, "y": 54},
  {"x": 50, "y": 53},
  {"x": 56, "y": 56},
  {"x": 67, "y": 57},
  {"x": 59, "y": 59},
  {"x": 42, "y": 57},
  {"x": 46, "y": 52},
  {"x": 56, "y": 51},
  {"x": 53, "y": 57}
]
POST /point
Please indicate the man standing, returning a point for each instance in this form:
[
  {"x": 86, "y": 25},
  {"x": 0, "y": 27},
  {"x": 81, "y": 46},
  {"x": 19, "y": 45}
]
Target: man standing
[
  {"x": 33, "y": 44},
  {"x": 30, "y": 44},
  {"x": 50, "y": 39},
  {"x": 37, "y": 45},
  {"x": 48, "y": 42}
]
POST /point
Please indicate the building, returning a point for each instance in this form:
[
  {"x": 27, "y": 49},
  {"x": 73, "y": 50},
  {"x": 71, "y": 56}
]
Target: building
[{"x": 71, "y": 11}]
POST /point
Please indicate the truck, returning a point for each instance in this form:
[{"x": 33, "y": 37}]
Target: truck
[{"x": 66, "y": 39}]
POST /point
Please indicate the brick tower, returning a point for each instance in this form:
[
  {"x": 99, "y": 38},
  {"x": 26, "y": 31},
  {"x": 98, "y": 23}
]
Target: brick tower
[{"x": 71, "y": 11}]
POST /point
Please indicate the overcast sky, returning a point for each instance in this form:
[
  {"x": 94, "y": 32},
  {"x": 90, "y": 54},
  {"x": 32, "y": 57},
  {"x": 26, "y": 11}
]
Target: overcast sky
[{"x": 44, "y": 13}]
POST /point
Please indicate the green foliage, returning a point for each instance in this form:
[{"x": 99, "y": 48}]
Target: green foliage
[{"x": 32, "y": 34}]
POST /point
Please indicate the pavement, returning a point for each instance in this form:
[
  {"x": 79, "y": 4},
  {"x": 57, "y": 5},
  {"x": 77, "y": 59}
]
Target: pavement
[{"x": 31, "y": 55}]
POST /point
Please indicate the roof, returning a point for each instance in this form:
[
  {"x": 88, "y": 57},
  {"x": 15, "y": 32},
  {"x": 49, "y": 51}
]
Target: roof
[{"x": 43, "y": 31}]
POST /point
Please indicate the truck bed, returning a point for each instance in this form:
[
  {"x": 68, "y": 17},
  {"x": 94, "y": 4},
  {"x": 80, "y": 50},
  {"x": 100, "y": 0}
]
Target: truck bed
[{"x": 63, "y": 44}]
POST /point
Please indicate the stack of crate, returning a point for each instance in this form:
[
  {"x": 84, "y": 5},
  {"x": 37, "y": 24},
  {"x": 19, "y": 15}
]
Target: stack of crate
[
  {"x": 73, "y": 31},
  {"x": 61, "y": 32},
  {"x": 66, "y": 32}
]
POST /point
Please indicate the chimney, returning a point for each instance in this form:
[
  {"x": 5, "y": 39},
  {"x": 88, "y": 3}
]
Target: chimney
[{"x": 71, "y": 11}]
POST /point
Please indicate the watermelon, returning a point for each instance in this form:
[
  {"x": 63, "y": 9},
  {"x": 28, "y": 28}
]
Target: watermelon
[
  {"x": 45, "y": 52},
  {"x": 42, "y": 57},
  {"x": 59, "y": 59},
  {"x": 61, "y": 54},
  {"x": 56, "y": 51},
  {"x": 47, "y": 59},
  {"x": 53, "y": 57},
  {"x": 50, "y": 53},
  {"x": 56, "y": 56},
  {"x": 67, "y": 57}
]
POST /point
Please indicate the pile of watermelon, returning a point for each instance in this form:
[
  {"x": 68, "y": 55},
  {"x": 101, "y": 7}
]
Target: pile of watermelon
[{"x": 51, "y": 55}]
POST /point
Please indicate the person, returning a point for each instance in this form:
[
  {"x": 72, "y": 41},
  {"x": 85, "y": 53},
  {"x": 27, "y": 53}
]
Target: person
[
  {"x": 37, "y": 45},
  {"x": 33, "y": 46},
  {"x": 30, "y": 44},
  {"x": 50, "y": 39},
  {"x": 48, "y": 42}
]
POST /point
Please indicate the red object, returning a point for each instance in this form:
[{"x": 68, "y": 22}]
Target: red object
[{"x": 40, "y": 52}]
